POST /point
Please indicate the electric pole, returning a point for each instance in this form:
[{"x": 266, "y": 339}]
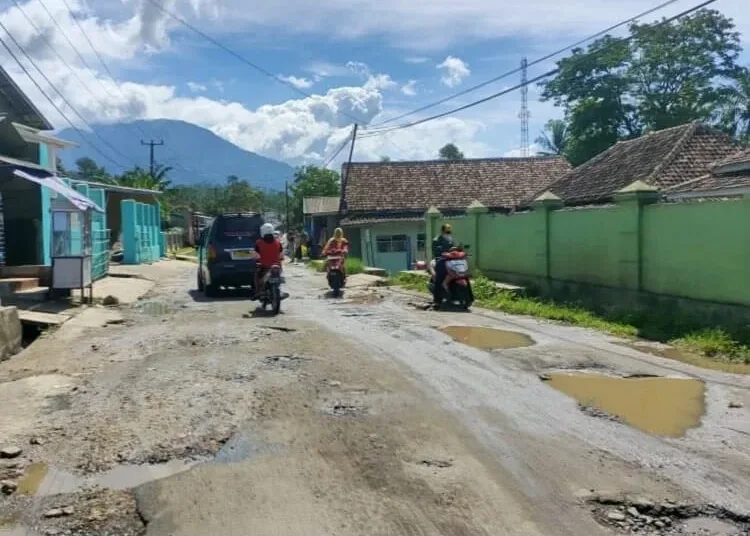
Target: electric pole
[
  {"x": 342, "y": 203},
  {"x": 286, "y": 203},
  {"x": 151, "y": 144}
]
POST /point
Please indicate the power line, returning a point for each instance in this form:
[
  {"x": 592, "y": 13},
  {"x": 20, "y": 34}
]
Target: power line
[
  {"x": 523, "y": 84},
  {"x": 529, "y": 64},
  {"x": 236, "y": 55},
  {"x": 133, "y": 126},
  {"x": 338, "y": 151},
  {"x": 44, "y": 93}
]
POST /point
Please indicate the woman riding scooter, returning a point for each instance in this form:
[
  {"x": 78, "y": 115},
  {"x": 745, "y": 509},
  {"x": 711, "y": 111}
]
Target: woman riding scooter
[{"x": 337, "y": 243}]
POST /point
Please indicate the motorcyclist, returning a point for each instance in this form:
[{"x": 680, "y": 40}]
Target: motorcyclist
[
  {"x": 441, "y": 244},
  {"x": 270, "y": 252},
  {"x": 337, "y": 242}
]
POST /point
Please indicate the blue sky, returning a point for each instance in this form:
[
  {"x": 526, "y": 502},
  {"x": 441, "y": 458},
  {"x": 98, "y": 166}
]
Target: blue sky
[{"x": 371, "y": 60}]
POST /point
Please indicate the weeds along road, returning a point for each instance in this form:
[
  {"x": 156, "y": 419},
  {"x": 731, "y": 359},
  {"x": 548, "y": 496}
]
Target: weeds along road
[{"x": 180, "y": 416}]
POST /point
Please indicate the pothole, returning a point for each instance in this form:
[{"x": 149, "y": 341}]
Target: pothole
[
  {"x": 346, "y": 408},
  {"x": 440, "y": 464},
  {"x": 668, "y": 518},
  {"x": 711, "y": 363},
  {"x": 363, "y": 299},
  {"x": 288, "y": 361},
  {"x": 658, "y": 406},
  {"x": 487, "y": 338},
  {"x": 41, "y": 480},
  {"x": 153, "y": 308}
]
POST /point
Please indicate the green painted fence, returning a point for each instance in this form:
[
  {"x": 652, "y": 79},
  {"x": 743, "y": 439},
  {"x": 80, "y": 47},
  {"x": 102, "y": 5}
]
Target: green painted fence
[{"x": 690, "y": 250}]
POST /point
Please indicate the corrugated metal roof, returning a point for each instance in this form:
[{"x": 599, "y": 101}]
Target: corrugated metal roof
[
  {"x": 18, "y": 106},
  {"x": 320, "y": 205}
]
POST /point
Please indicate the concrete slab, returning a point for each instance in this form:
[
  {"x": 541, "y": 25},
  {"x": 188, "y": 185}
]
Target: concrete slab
[
  {"x": 10, "y": 332},
  {"x": 126, "y": 290},
  {"x": 363, "y": 280},
  {"x": 43, "y": 319}
]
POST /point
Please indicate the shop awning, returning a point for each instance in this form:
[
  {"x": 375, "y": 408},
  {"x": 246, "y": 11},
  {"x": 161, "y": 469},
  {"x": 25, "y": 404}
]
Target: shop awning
[{"x": 55, "y": 184}]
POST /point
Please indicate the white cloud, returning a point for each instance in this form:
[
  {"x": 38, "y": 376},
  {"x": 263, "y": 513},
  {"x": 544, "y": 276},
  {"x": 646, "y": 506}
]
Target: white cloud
[
  {"x": 454, "y": 71},
  {"x": 534, "y": 149},
  {"x": 196, "y": 87},
  {"x": 298, "y": 82},
  {"x": 372, "y": 81},
  {"x": 410, "y": 88},
  {"x": 416, "y": 60}
]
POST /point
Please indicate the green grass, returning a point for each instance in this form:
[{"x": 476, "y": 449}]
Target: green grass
[
  {"x": 662, "y": 326},
  {"x": 353, "y": 265}
]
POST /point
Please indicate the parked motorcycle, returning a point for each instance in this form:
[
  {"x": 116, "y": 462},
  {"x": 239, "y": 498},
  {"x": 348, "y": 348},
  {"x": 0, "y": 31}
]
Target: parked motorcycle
[
  {"x": 456, "y": 287},
  {"x": 271, "y": 285},
  {"x": 335, "y": 271}
]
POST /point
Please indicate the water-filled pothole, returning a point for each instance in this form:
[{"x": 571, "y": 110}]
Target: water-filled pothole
[
  {"x": 711, "y": 363},
  {"x": 487, "y": 338},
  {"x": 41, "y": 480},
  {"x": 658, "y": 406}
]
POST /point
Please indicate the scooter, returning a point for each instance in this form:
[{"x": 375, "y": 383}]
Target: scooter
[
  {"x": 271, "y": 285},
  {"x": 335, "y": 271},
  {"x": 456, "y": 287}
]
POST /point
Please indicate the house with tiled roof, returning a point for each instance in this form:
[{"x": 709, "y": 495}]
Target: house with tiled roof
[
  {"x": 663, "y": 159},
  {"x": 383, "y": 203},
  {"x": 728, "y": 177}
]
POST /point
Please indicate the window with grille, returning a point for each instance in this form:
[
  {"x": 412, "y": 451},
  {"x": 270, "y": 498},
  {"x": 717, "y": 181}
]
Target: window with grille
[
  {"x": 421, "y": 239},
  {"x": 391, "y": 244}
]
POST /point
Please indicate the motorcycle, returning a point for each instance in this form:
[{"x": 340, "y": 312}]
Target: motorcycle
[
  {"x": 335, "y": 271},
  {"x": 271, "y": 285},
  {"x": 456, "y": 287}
]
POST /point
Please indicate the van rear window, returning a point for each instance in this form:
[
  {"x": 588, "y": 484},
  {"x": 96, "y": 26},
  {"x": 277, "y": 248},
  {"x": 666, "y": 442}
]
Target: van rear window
[{"x": 239, "y": 226}]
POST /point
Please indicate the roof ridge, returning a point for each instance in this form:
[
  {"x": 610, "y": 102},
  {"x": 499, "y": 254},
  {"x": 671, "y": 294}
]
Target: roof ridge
[
  {"x": 691, "y": 129},
  {"x": 691, "y": 181},
  {"x": 462, "y": 160}
]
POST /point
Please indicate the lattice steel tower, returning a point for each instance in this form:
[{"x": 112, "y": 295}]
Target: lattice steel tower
[{"x": 524, "y": 113}]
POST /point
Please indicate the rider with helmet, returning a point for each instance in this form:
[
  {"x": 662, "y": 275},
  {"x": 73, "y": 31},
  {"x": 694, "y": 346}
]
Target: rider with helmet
[
  {"x": 441, "y": 244},
  {"x": 270, "y": 252}
]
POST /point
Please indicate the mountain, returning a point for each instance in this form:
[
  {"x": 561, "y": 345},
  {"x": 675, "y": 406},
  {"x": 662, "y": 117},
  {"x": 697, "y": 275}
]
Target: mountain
[{"x": 196, "y": 154}]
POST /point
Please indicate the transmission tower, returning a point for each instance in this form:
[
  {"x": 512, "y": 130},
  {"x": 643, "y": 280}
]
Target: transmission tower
[{"x": 524, "y": 113}]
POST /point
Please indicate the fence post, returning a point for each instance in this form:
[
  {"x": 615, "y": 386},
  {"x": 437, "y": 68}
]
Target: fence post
[
  {"x": 474, "y": 212},
  {"x": 631, "y": 201},
  {"x": 130, "y": 251},
  {"x": 545, "y": 204}
]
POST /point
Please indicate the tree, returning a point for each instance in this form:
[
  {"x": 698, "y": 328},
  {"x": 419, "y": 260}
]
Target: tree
[
  {"x": 312, "y": 181},
  {"x": 239, "y": 196},
  {"x": 554, "y": 137},
  {"x": 385, "y": 158},
  {"x": 663, "y": 75},
  {"x": 142, "y": 178},
  {"x": 735, "y": 117},
  {"x": 450, "y": 152},
  {"x": 88, "y": 170}
]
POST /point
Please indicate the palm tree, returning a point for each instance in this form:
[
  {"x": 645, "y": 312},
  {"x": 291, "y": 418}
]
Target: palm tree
[
  {"x": 142, "y": 178},
  {"x": 553, "y": 138},
  {"x": 736, "y": 114}
]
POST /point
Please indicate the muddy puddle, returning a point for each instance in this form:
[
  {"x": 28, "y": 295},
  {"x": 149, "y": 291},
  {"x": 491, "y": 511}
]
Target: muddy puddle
[
  {"x": 690, "y": 358},
  {"x": 487, "y": 338},
  {"x": 658, "y": 406},
  {"x": 41, "y": 480}
]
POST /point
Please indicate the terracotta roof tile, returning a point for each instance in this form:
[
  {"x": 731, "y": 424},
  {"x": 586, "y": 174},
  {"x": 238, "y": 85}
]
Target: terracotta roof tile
[
  {"x": 741, "y": 157},
  {"x": 320, "y": 205},
  {"x": 664, "y": 158},
  {"x": 448, "y": 185},
  {"x": 712, "y": 182}
]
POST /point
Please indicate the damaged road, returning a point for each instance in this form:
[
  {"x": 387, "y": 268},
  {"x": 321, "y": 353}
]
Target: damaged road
[{"x": 355, "y": 416}]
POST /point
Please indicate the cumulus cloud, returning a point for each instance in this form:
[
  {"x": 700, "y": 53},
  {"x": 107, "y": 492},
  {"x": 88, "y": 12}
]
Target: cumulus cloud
[
  {"x": 410, "y": 88},
  {"x": 301, "y": 130},
  {"x": 416, "y": 60},
  {"x": 454, "y": 71},
  {"x": 298, "y": 82},
  {"x": 195, "y": 87}
]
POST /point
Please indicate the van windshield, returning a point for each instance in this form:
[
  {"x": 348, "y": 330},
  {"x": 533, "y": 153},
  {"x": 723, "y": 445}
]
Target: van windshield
[{"x": 239, "y": 230}]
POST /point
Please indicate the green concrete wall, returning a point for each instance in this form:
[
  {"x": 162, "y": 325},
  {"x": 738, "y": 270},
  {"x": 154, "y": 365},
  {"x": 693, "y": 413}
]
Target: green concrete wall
[
  {"x": 698, "y": 251},
  {"x": 392, "y": 262}
]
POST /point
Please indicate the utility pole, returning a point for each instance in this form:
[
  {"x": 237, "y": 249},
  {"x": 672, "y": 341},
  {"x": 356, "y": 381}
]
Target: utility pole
[
  {"x": 286, "y": 204},
  {"x": 342, "y": 203},
  {"x": 151, "y": 144}
]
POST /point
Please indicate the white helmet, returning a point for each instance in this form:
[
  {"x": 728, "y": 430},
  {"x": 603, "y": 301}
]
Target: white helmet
[{"x": 266, "y": 229}]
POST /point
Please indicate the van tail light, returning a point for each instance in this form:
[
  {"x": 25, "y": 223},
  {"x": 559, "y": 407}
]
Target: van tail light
[{"x": 211, "y": 253}]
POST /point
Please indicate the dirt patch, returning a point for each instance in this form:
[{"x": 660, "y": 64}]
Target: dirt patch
[
  {"x": 658, "y": 406},
  {"x": 288, "y": 361},
  {"x": 487, "y": 338},
  {"x": 643, "y": 516}
]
